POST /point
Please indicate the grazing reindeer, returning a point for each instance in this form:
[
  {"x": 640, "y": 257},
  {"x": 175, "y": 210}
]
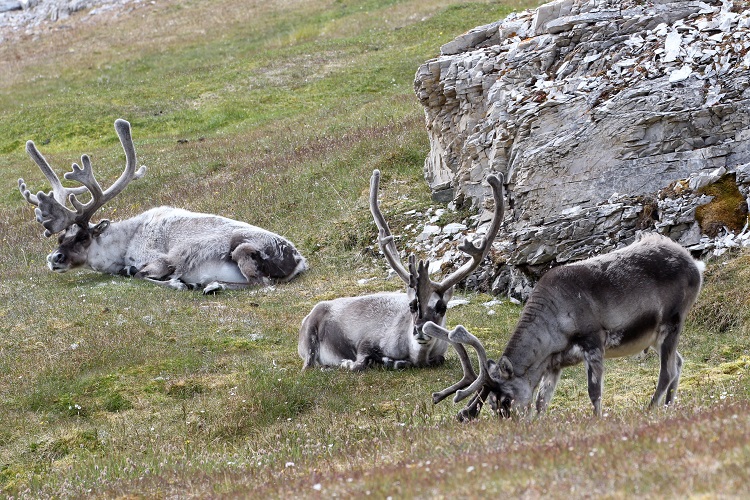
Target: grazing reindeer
[
  {"x": 164, "y": 245},
  {"x": 352, "y": 332},
  {"x": 608, "y": 306}
]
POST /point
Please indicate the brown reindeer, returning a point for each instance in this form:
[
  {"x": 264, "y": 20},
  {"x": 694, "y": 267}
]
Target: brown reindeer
[{"x": 613, "y": 305}]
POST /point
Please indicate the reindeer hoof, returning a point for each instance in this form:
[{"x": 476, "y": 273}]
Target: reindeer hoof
[
  {"x": 347, "y": 364},
  {"x": 213, "y": 287},
  {"x": 465, "y": 416}
]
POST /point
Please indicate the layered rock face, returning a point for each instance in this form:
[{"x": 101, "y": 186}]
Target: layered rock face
[{"x": 605, "y": 117}]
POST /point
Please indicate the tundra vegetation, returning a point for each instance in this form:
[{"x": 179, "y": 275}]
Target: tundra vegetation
[{"x": 276, "y": 113}]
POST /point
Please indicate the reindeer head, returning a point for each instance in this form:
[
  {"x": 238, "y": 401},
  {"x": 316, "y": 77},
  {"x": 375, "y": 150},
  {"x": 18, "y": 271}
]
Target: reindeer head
[
  {"x": 505, "y": 389},
  {"x": 428, "y": 300},
  {"x": 51, "y": 211}
]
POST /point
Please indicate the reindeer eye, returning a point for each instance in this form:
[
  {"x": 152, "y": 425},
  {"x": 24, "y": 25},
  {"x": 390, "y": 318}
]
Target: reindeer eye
[
  {"x": 441, "y": 307},
  {"x": 413, "y": 305}
]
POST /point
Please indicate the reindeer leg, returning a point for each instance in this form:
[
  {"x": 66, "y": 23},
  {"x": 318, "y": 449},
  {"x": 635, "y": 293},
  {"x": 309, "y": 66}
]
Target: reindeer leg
[
  {"x": 399, "y": 364},
  {"x": 547, "y": 389},
  {"x": 173, "y": 283},
  {"x": 158, "y": 269},
  {"x": 672, "y": 389},
  {"x": 244, "y": 255},
  {"x": 671, "y": 366},
  {"x": 310, "y": 345},
  {"x": 357, "y": 365},
  {"x": 162, "y": 272},
  {"x": 594, "y": 360}
]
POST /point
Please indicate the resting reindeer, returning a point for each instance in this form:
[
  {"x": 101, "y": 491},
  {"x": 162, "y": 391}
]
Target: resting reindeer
[
  {"x": 608, "y": 306},
  {"x": 352, "y": 332},
  {"x": 164, "y": 245}
]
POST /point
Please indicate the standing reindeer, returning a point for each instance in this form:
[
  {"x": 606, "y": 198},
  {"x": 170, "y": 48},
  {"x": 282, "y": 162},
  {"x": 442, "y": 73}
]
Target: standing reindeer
[
  {"x": 167, "y": 246},
  {"x": 613, "y": 305},
  {"x": 352, "y": 332}
]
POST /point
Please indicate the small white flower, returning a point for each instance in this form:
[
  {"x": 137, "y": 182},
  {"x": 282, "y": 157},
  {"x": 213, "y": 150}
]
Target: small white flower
[
  {"x": 289, "y": 464},
  {"x": 317, "y": 487},
  {"x": 470, "y": 469}
]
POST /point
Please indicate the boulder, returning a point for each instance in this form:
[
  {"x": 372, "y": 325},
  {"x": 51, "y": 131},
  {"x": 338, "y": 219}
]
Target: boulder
[{"x": 606, "y": 118}]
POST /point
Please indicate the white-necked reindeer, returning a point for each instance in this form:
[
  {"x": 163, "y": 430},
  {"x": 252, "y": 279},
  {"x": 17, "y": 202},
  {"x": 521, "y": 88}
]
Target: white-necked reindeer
[
  {"x": 613, "y": 305},
  {"x": 353, "y": 332},
  {"x": 164, "y": 245}
]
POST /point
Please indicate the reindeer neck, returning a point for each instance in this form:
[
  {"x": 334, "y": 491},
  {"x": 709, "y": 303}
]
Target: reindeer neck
[
  {"x": 107, "y": 252},
  {"x": 536, "y": 337}
]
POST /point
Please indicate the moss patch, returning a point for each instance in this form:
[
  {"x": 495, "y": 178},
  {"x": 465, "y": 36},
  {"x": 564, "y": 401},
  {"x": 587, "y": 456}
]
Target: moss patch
[{"x": 727, "y": 209}]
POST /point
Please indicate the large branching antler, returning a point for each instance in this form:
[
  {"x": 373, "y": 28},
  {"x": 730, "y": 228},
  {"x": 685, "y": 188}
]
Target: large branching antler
[
  {"x": 51, "y": 210},
  {"x": 479, "y": 251},
  {"x": 385, "y": 238},
  {"x": 435, "y": 330},
  {"x": 471, "y": 383}
]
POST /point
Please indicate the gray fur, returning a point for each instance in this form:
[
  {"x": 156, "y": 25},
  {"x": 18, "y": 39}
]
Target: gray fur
[
  {"x": 354, "y": 332},
  {"x": 612, "y": 305}
]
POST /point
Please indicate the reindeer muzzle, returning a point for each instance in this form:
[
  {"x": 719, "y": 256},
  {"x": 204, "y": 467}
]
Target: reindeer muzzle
[
  {"x": 420, "y": 336},
  {"x": 56, "y": 262}
]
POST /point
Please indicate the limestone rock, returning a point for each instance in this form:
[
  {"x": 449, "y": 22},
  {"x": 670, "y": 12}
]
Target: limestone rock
[{"x": 580, "y": 100}]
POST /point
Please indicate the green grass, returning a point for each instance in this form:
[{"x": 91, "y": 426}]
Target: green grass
[{"x": 276, "y": 113}]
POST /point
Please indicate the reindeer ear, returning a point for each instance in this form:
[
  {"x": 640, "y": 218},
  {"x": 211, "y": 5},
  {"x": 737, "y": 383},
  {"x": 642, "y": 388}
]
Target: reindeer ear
[
  {"x": 99, "y": 228},
  {"x": 505, "y": 367}
]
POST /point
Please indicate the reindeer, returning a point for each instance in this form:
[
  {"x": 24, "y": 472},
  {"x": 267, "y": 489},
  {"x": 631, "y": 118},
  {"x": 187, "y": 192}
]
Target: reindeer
[
  {"x": 167, "y": 246},
  {"x": 352, "y": 332},
  {"x": 613, "y": 305}
]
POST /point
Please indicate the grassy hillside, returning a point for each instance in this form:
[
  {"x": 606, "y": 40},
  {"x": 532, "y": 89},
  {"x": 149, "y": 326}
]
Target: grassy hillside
[{"x": 276, "y": 113}]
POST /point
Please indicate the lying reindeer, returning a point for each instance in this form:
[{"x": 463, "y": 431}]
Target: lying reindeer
[
  {"x": 353, "y": 332},
  {"x": 164, "y": 245},
  {"x": 608, "y": 306}
]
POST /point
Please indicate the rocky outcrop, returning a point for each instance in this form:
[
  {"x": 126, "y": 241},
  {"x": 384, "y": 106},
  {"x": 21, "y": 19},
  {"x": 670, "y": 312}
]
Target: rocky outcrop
[
  {"x": 605, "y": 117},
  {"x": 26, "y": 16}
]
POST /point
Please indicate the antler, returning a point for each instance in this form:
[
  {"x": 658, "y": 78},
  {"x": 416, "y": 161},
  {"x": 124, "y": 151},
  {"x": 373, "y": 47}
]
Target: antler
[
  {"x": 385, "y": 238},
  {"x": 435, "y": 330},
  {"x": 479, "y": 252},
  {"x": 461, "y": 335},
  {"x": 51, "y": 211},
  {"x": 470, "y": 382}
]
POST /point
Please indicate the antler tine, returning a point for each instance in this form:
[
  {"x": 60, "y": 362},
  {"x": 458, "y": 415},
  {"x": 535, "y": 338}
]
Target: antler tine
[
  {"x": 385, "y": 238},
  {"x": 85, "y": 176},
  {"x": 479, "y": 252},
  {"x": 434, "y": 330},
  {"x": 123, "y": 132},
  {"x": 461, "y": 335},
  {"x": 51, "y": 211},
  {"x": 26, "y": 193},
  {"x": 59, "y": 191}
]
